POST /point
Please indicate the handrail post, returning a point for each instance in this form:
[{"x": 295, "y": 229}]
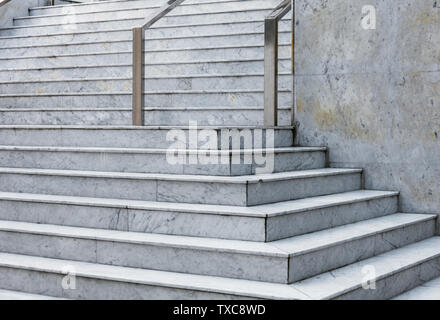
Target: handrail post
[
  {"x": 271, "y": 61},
  {"x": 293, "y": 113},
  {"x": 139, "y": 58},
  {"x": 270, "y": 72},
  {"x": 138, "y": 79}
]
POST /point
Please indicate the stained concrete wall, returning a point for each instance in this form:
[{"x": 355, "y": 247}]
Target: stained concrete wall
[
  {"x": 373, "y": 96},
  {"x": 17, "y": 8}
]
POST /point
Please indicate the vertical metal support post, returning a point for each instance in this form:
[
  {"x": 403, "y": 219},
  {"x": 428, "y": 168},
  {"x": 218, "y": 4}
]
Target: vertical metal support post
[
  {"x": 138, "y": 77},
  {"x": 270, "y": 72},
  {"x": 293, "y": 113}
]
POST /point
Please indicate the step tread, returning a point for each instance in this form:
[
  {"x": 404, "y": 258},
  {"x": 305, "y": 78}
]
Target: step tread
[
  {"x": 427, "y": 291},
  {"x": 247, "y": 179},
  {"x": 17, "y": 295},
  {"x": 339, "y": 281},
  {"x": 158, "y": 150},
  {"x": 260, "y": 211},
  {"x": 281, "y": 248},
  {"x": 237, "y": 287}
]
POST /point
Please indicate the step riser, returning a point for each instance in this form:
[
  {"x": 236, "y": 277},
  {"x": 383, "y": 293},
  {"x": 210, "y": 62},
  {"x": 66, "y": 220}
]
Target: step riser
[
  {"x": 398, "y": 283},
  {"x": 187, "y": 224},
  {"x": 200, "y": 83},
  {"x": 92, "y": 117},
  {"x": 226, "y": 17},
  {"x": 253, "y": 10},
  {"x": 184, "y": 56},
  {"x": 60, "y": 36},
  {"x": 154, "y": 163},
  {"x": 272, "y": 192},
  {"x": 126, "y": 45},
  {"x": 314, "y": 263},
  {"x": 295, "y": 224},
  {"x": 95, "y": 7},
  {"x": 81, "y": 18},
  {"x": 94, "y": 32},
  {"x": 96, "y": 289},
  {"x": 124, "y": 117},
  {"x": 63, "y": 39},
  {"x": 202, "y": 262},
  {"x": 110, "y": 100},
  {"x": 69, "y": 28},
  {"x": 148, "y": 221},
  {"x": 66, "y": 73},
  {"x": 114, "y": 138},
  {"x": 157, "y": 30},
  {"x": 84, "y": 71},
  {"x": 180, "y": 191}
]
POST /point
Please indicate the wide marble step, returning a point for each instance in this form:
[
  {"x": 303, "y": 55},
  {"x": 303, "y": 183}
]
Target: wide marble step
[
  {"x": 121, "y": 84},
  {"x": 159, "y": 69},
  {"x": 139, "y": 137},
  {"x": 212, "y": 116},
  {"x": 110, "y": 31},
  {"x": 97, "y": 281},
  {"x": 427, "y": 291},
  {"x": 102, "y": 6},
  {"x": 112, "y": 45},
  {"x": 405, "y": 268},
  {"x": 268, "y": 222},
  {"x": 198, "y": 12},
  {"x": 154, "y": 57},
  {"x": 203, "y": 189},
  {"x": 158, "y": 99},
  {"x": 167, "y": 159},
  {"x": 288, "y": 260}
]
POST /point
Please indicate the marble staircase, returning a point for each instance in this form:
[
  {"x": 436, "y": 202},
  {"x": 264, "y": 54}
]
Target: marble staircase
[
  {"x": 72, "y": 64},
  {"x": 86, "y": 196}
]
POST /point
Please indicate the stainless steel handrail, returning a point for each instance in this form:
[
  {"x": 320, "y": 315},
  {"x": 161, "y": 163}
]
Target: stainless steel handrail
[
  {"x": 3, "y": 2},
  {"x": 271, "y": 60},
  {"x": 138, "y": 59}
]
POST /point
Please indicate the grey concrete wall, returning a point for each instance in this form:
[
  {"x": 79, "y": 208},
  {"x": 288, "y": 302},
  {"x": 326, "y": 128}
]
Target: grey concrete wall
[
  {"x": 373, "y": 96},
  {"x": 17, "y": 8}
]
